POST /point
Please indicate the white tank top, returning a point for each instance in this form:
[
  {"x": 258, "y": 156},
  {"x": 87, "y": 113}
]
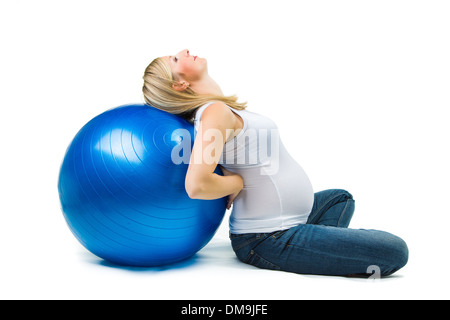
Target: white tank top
[{"x": 277, "y": 193}]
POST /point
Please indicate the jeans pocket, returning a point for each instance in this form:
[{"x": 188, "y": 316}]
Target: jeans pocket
[
  {"x": 256, "y": 260},
  {"x": 246, "y": 240},
  {"x": 277, "y": 234}
]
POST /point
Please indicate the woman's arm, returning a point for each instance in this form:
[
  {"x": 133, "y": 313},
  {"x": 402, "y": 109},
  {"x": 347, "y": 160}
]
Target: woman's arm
[{"x": 217, "y": 124}]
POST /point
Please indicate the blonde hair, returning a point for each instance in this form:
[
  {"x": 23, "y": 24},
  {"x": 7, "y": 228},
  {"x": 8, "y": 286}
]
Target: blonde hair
[{"x": 159, "y": 93}]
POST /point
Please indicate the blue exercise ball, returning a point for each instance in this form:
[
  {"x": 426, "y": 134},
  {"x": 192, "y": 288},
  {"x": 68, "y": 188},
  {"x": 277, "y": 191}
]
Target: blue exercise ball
[{"x": 122, "y": 192}]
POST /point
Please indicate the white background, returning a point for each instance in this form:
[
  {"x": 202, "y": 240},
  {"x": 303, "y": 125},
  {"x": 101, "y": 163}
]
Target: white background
[{"x": 359, "y": 90}]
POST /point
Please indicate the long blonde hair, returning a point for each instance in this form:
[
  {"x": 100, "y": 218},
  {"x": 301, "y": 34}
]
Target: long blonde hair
[{"x": 159, "y": 93}]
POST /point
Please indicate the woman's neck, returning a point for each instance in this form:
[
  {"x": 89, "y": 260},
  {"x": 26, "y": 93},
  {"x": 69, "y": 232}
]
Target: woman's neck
[{"x": 206, "y": 85}]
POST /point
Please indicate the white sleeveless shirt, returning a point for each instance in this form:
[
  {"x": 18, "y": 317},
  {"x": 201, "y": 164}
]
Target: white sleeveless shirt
[{"x": 277, "y": 193}]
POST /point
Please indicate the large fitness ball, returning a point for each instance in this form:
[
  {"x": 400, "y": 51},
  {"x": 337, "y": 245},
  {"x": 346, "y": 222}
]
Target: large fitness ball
[{"x": 122, "y": 192}]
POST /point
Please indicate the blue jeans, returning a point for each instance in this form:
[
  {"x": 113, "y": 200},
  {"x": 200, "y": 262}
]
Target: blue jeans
[{"x": 324, "y": 245}]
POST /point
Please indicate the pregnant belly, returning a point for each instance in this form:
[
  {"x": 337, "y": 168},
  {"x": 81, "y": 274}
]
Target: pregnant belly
[{"x": 288, "y": 192}]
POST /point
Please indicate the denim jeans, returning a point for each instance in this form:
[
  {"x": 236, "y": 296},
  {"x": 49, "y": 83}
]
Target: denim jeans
[{"x": 324, "y": 245}]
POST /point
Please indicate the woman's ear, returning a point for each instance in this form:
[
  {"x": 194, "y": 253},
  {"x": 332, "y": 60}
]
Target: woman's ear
[{"x": 180, "y": 85}]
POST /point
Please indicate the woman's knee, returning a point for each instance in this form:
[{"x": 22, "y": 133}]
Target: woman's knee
[
  {"x": 402, "y": 254},
  {"x": 336, "y": 195},
  {"x": 397, "y": 255},
  {"x": 344, "y": 194}
]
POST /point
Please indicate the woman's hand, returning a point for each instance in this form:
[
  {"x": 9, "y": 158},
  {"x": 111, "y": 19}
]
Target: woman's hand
[{"x": 232, "y": 196}]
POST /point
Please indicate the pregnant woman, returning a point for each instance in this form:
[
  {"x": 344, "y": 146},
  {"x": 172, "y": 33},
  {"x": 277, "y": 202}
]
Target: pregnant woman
[{"x": 277, "y": 221}]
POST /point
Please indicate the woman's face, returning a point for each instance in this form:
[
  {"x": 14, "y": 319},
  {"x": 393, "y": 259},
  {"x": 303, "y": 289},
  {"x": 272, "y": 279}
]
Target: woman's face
[{"x": 186, "y": 67}]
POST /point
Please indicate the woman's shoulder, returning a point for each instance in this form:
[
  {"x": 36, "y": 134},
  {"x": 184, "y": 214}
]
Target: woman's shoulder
[
  {"x": 215, "y": 112},
  {"x": 213, "y": 109}
]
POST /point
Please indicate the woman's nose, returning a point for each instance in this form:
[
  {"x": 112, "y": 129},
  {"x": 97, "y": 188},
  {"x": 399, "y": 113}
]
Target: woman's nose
[{"x": 184, "y": 52}]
